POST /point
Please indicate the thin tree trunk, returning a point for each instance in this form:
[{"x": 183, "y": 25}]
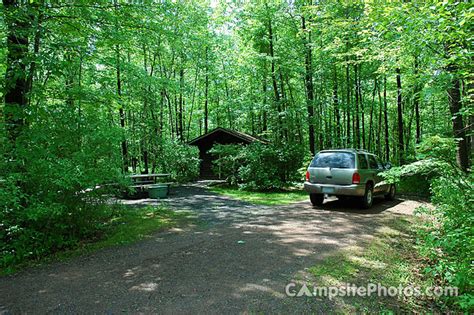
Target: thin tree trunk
[
  {"x": 379, "y": 125},
  {"x": 385, "y": 113},
  {"x": 336, "y": 110},
  {"x": 401, "y": 146},
  {"x": 181, "y": 105},
  {"x": 309, "y": 87},
  {"x": 228, "y": 97},
  {"x": 357, "y": 100},
  {"x": 192, "y": 103},
  {"x": 371, "y": 116},
  {"x": 170, "y": 114},
  {"x": 274, "y": 80},
  {"x": 348, "y": 105},
  {"x": 264, "y": 94},
  {"x": 361, "y": 106},
  {"x": 206, "y": 94},
  {"x": 121, "y": 110},
  {"x": 416, "y": 102},
  {"x": 119, "y": 96},
  {"x": 36, "y": 44}
]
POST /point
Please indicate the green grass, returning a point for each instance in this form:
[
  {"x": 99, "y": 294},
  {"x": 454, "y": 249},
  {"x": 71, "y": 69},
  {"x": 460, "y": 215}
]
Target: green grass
[
  {"x": 131, "y": 224},
  {"x": 389, "y": 259},
  {"x": 125, "y": 225},
  {"x": 271, "y": 198}
]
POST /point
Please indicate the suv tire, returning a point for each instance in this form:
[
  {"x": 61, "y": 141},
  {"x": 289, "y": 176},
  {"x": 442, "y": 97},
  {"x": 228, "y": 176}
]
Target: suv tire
[
  {"x": 391, "y": 193},
  {"x": 368, "y": 198},
  {"x": 316, "y": 199}
]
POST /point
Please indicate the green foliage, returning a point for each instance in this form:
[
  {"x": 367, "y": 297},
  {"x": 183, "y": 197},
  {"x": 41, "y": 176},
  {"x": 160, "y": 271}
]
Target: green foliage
[
  {"x": 53, "y": 194},
  {"x": 139, "y": 82},
  {"x": 120, "y": 225},
  {"x": 259, "y": 166},
  {"x": 230, "y": 158},
  {"x": 447, "y": 239},
  {"x": 180, "y": 160},
  {"x": 270, "y": 166}
]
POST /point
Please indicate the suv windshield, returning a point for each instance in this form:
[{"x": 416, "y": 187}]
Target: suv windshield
[{"x": 333, "y": 160}]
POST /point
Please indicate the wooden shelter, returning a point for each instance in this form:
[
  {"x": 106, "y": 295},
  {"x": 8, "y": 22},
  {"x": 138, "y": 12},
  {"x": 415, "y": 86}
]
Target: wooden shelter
[{"x": 217, "y": 136}]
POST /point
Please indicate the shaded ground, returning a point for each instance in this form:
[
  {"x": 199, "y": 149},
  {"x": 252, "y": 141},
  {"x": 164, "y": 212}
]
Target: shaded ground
[{"x": 204, "y": 269}]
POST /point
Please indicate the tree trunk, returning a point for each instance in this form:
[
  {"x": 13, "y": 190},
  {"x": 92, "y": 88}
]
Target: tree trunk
[
  {"x": 38, "y": 20},
  {"x": 181, "y": 105},
  {"x": 379, "y": 124},
  {"x": 16, "y": 81},
  {"x": 348, "y": 106},
  {"x": 121, "y": 111},
  {"x": 362, "y": 110},
  {"x": 309, "y": 87},
  {"x": 416, "y": 102},
  {"x": 274, "y": 80},
  {"x": 264, "y": 101},
  {"x": 385, "y": 114},
  {"x": 192, "y": 102},
  {"x": 206, "y": 94},
  {"x": 336, "y": 110},
  {"x": 401, "y": 146},
  {"x": 459, "y": 132},
  {"x": 227, "y": 97},
  {"x": 371, "y": 116},
  {"x": 357, "y": 123}
]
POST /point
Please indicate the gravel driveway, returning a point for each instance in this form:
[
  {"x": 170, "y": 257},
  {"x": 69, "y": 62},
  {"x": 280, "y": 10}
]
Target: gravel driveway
[{"x": 240, "y": 262}]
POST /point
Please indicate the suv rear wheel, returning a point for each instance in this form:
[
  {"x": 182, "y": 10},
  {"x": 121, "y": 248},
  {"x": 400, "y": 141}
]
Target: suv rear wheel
[
  {"x": 316, "y": 199},
  {"x": 368, "y": 197},
  {"x": 391, "y": 193}
]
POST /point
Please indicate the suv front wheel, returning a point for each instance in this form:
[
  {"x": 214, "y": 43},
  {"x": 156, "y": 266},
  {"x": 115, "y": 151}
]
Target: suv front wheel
[
  {"x": 316, "y": 199},
  {"x": 368, "y": 197}
]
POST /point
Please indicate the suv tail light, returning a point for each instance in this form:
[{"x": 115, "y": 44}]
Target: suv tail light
[
  {"x": 307, "y": 176},
  {"x": 356, "y": 178}
]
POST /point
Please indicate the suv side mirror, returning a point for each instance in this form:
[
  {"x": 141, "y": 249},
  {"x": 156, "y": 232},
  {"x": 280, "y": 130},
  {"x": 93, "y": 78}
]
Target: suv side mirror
[{"x": 387, "y": 165}]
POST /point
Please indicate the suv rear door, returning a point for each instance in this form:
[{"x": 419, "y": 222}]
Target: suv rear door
[
  {"x": 332, "y": 167},
  {"x": 383, "y": 186},
  {"x": 363, "y": 168},
  {"x": 374, "y": 167}
]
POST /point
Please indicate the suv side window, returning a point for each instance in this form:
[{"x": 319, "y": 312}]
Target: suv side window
[
  {"x": 362, "y": 161},
  {"x": 380, "y": 165},
  {"x": 373, "y": 162}
]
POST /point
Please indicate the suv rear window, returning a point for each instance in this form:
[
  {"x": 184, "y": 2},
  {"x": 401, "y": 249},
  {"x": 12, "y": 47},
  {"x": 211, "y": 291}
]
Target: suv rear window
[{"x": 334, "y": 160}]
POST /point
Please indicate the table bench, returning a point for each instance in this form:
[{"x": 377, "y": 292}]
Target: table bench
[{"x": 141, "y": 182}]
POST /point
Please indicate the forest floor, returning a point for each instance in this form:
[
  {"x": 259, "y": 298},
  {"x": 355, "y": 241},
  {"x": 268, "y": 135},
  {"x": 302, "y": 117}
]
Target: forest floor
[{"x": 239, "y": 259}]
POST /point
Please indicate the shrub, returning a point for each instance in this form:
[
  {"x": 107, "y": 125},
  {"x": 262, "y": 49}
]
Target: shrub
[
  {"x": 447, "y": 238},
  {"x": 260, "y": 166},
  {"x": 179, "y": 160},
  {"x": 230, "y": 157},
  {"x": 48, "y": 195}
]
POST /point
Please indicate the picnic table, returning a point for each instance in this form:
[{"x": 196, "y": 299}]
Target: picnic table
[
  {"x": 142, "y": 180},
  {"x": 147, "y": 184}
]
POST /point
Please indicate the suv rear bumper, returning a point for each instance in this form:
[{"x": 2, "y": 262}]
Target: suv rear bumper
[{"x": 343, "y": 190}]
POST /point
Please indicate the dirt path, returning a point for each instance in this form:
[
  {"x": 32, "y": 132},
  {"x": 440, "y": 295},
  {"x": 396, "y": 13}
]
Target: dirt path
[{"x": 203, "y": 270}]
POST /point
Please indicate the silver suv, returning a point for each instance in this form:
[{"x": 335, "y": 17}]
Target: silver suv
[{"x": 347, "y": 172}]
